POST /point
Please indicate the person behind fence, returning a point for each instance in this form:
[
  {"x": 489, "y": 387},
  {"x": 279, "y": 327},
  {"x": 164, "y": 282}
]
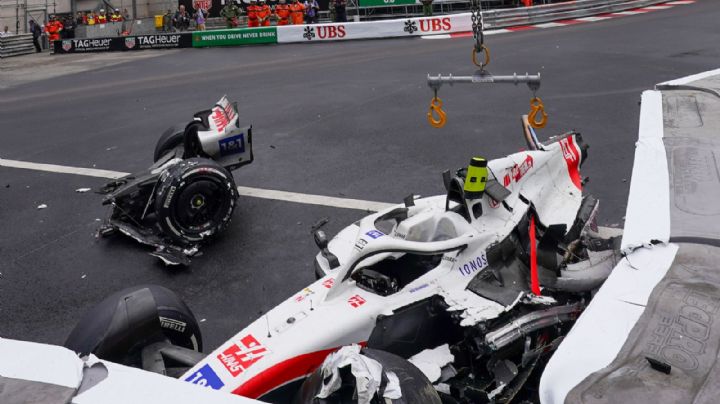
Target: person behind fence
[
  {"x": 181, "y": 19},
  {"x": 90, "y": 18},
  {"x": 297, "y": 12},
  {"x": 200, "y": 16},
  {"x": 331, "y": 11},
  {"x": 53, "y": 29},
  {"x": 231, "y": 12},
  {"x": 282, "y": 12},
  {"x": 312, "y": 9},
  {"x": 340, "y": 14},
  {"x": 68, "y": 31},
  {"x": 116, "y": 16},
  {"x": 36, "y": 31},
  {"x": 427, "y": 7},
  {"x": 102, "y": 17},
  {"x": 6, "y": 32},
  {"x": 252, "y": 14},
  {"x": 264, "y": 14}
]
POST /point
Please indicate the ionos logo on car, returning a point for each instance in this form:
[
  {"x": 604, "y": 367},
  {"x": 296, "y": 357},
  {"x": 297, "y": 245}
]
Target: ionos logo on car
[
  {"x": 474, "y": 265},
  {"x": 206, "y": 377},
  {"x": 238, "y": 358}
]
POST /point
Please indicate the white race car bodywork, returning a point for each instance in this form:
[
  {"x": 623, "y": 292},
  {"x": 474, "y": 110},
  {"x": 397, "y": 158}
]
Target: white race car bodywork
[
  {"x": 292, "y": 339},
  {"x": 57, "y": 373}
]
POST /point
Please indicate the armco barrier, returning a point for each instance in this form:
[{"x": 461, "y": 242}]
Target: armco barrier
[
  {"x": 127, "y": 43},
  {"x": 356, "y": 30},
  {"x": 16, "y": 45}
]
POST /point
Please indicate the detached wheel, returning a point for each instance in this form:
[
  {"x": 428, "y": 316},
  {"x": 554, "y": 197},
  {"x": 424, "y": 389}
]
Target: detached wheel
[
  {"x": 170, "y": 139},
  {"x": 195, "y": 200},
  {"x": 414, "y": 385},
  {"x": 117, "y": 328}
]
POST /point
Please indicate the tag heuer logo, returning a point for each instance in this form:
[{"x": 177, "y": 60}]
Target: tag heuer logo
[
  {"x": 309, "y": 33},
  {"x": 66, "y": 45},
  {"x": 410, "y": 26},
  {"x": 129, "y": 43}
]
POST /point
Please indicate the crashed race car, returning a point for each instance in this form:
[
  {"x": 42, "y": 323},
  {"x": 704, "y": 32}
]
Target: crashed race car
[
  {"x": 188, "y": 195},
  {"x": 459, "y": 297}
]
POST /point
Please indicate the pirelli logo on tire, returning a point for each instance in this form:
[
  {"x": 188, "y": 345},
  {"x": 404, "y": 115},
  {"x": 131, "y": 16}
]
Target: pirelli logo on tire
[
  {"x": 169, "y": 197},
  {"x": 171, "y": 324}
]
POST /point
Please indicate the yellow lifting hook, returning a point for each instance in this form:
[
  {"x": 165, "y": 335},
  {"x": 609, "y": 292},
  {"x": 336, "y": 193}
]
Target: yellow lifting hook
[
  {"x": 436, "y": 106},
  {"x": 536, "y": 105}
]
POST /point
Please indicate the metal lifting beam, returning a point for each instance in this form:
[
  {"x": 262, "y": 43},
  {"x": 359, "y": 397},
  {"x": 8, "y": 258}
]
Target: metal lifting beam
[{"x": 481, "y": 76}]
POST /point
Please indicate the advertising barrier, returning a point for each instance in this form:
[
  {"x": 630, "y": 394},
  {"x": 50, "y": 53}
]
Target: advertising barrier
[
  {"x": 375, "y": 29},
  {"x": 126, "y": 43},
  {"x": 233, "y": 37}
]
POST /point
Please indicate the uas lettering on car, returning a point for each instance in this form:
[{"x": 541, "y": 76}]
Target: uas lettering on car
[
  {"x": 232, "y": 145},
  {"x": 206, "y": 377},
  {"x": 474, "y": 265},
  {"x": 238, "y": 358},
  {"x": 356, "y": 301}
]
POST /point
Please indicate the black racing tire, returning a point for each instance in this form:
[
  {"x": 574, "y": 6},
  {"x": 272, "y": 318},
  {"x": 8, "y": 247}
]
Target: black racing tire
[
  {"x": 170, "y": 139},
  {"x": 414, "y": 385},
  {"x": 195, "y": 200},
  {"x": 118, "y": 327}
]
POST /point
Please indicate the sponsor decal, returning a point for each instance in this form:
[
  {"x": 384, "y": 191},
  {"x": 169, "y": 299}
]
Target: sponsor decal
[
  {"x": 206, "y": 377},
  {"x": 241, "y": 36},
  {"x": 171, "y": 324},
  {"x": 129, "y": 42},
  {"x": 159, "y": 41},
  {"x": 328, "y": 283},
  {"x": 373, "y": 234},
  {"x": 517, "y": 172},
  {"x": 449, "y": 259},
  {"x": 324, "y": 32},
  {"x": 204, "y": 4},
  {"x": 572, "y": 158},
  {"x": 232, "y": 145},
  {"x": 493, "y": 203},
  {"x": 304, "y": 294},
  {"x": 90, "y": 45},
  {"x": 410, "y": 26},
  {"x": 474, "y": 265},
  {"x": 435, "y": 24},
  {"x": 356, "y": 301},
  {"x": 360, "y": 244},
  {"x": 309, "y": 33},
  {"x": 67, "y": 45},
  {"x": 238, "y": 358},
  {"x": 418, "y": 288}
]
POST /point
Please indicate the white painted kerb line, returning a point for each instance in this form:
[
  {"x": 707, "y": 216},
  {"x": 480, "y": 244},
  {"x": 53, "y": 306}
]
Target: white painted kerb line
[{"x": 308, "y": 199}]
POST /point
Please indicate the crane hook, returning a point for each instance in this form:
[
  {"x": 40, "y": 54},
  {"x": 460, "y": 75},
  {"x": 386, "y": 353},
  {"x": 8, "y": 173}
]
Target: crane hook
[
  {"x": 436, "y": 107},
  {"x": 536, "y": 106}
]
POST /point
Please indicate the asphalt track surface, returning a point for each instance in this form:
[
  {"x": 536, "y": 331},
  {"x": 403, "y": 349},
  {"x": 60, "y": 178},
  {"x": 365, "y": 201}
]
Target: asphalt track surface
[{"x": 335, "y": 119}]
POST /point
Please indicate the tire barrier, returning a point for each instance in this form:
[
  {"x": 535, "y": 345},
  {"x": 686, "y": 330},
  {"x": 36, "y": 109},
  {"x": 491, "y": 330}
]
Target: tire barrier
[{"x": 16, "y": 45}]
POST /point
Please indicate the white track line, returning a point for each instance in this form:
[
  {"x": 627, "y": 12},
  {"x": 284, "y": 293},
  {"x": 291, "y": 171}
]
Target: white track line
[
  {"x": 52, "y": 168},
  {"x": 309, "y": 199},
  {"x": 550, "y": 25}
]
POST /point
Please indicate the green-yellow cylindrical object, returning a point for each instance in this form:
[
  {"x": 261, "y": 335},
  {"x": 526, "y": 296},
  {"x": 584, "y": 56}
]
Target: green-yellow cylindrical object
[{"x": 476, "y": 178}]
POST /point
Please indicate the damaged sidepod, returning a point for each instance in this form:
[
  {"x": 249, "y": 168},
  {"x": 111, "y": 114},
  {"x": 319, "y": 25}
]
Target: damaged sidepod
[{"x": 188, "y": 195}]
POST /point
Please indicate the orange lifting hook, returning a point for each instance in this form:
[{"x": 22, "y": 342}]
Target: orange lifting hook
[
  {"x": 436, "y": 106},
  {"x": 475, "y": 52},
  {"x": 536, "y": 105}
]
